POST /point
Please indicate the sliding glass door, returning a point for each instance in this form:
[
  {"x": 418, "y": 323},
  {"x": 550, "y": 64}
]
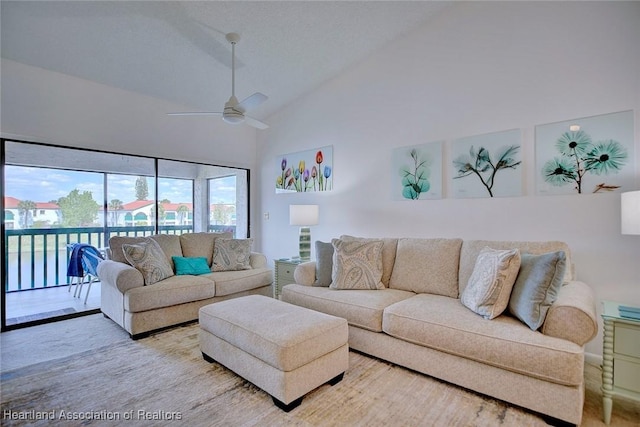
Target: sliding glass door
[{"x": 54, "y": 197}]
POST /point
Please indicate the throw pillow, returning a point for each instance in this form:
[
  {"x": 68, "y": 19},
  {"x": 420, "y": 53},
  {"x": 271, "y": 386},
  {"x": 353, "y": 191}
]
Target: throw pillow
[
  {"x": 193, "y": 266},
  {"x": 536, "y": 287},
  {"x": 490, "y": 284},
  {"x": 231, "y": 254},
  {"x": 356, "y": 265},
  {"x": 200, "y": 244},
  {"x": 149, "y": 259},
  {"x": 324, "y": 263}
]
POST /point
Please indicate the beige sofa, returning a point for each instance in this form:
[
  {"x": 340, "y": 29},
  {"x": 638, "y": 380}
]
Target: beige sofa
[
  {"x": 414, "y": 323},
  {"x": 140, "y": 309}
]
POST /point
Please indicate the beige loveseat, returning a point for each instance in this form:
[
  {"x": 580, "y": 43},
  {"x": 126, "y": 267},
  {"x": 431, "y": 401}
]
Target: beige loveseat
[
  {"x": 141, "y": 308},
  {"x": 417, "y": 321}
]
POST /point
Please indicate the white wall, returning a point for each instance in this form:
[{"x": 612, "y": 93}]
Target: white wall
[
  {"x": 49, "y": 107},
  {"x": 480, "y": 67}
]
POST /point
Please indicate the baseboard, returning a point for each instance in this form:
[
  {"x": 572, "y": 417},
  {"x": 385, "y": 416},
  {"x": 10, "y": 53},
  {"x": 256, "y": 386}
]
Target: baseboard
[{"x": 593, "y": 359}]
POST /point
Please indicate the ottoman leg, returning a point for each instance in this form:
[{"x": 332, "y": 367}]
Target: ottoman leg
[
  {"x": 335, "y": 380},
  {"x": 207, "y": 358},
  {"x": 287, "y": 408}
]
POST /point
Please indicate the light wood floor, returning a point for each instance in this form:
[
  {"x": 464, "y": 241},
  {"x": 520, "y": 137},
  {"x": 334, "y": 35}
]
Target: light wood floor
[{"x": 44, "y": 303}]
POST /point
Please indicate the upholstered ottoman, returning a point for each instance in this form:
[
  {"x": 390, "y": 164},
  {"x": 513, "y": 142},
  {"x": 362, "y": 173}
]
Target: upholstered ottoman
[{"x": 284, "y": 349}]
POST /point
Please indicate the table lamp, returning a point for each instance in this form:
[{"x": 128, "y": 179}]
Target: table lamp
[
  {"x": 630, "y": 212},
  {"x": 304, "y": 216}
]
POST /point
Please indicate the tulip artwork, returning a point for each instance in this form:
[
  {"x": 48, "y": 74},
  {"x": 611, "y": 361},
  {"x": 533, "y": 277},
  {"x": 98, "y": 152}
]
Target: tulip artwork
[{"x": 305, "y": 171}]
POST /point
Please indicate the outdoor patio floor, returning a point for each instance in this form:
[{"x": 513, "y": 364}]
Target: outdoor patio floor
[{"x": 44, "y": 303}]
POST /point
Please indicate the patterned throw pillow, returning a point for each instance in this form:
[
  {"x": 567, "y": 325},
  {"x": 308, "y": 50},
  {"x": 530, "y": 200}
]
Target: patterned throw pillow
[
  {"x": 149, "y": 259},
  {"x": 490, "y": 284},
  {"x": 357, "y": 264},
  {"x": 536, "y": 287},
  {"x": 231, "y": 254}
]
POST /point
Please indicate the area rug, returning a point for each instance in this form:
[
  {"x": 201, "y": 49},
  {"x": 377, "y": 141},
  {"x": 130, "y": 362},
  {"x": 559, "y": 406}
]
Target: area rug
[{"x": 163, "y": 380}]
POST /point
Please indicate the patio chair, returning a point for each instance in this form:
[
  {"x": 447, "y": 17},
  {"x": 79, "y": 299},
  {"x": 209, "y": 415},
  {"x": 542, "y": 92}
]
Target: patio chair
[{"x": 83, "y": 264}]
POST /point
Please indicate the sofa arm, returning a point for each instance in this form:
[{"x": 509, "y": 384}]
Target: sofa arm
[
  {"x": 257, "y": 260},
  {"x": 305, "y": 273},
  {"x": 119, "y": 275},
  {"x": 573, "y": 315}
]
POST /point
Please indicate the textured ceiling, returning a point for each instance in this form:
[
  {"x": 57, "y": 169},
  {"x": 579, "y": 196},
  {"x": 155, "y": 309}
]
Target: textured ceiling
[{"x": 177, "y": 50}]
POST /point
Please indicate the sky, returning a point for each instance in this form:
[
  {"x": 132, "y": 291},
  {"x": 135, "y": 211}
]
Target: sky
[{"x": 45, "y": 185}]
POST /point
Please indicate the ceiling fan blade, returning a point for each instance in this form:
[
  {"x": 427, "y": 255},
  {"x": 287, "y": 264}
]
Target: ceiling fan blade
[
  {"x": 196, "y": 113},
  {"x": 253, "y": 101},
  {"x": 255, "y": 123}
]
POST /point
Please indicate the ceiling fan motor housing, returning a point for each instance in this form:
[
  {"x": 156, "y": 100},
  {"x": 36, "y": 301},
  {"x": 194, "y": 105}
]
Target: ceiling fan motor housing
[{"x": 231, "y": 113}]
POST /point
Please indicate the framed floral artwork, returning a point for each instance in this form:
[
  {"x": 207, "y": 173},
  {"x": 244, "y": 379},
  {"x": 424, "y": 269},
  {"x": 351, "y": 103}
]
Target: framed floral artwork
[
  {"x": 417, "y": 172},
  {"x": 305, "y": 171},
  {"x": 588, "y": 155},
  {"x": 488, "y": 165}
]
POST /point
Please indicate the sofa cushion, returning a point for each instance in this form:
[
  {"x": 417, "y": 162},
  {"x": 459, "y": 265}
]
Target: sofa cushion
[
  {"x": 389, "y": 246},
  {"x": 362, "y": 308},
  {"x": 471, "y": 248},
  {"x": 356, "y": 264},
  {"x": 231, "y": 282},
  {"x": 324, "y": 263},
  {"x": 169, "y": 292},
  {"x": 491, "y": 283},
  {"x": 170, "y": 244},
  {"x": 427, "y": 266},
  {"x": 147, "y": 257},
  {"x": 231, "y": 254},
  {"x": 444, "y": 324},
  {"x": 536, "y": 287},
  {"x": 200, "y": 244}
]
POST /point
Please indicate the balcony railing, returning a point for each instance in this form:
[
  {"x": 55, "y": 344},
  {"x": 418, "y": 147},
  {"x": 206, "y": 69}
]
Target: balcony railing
[{"x": 37, "y": 258}]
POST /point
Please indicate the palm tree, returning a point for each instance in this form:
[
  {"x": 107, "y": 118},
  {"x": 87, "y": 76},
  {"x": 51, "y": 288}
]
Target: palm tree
[
  {"x": 115, "y": 205},
  {"x": 183, "y": 211},
  {"x": 26, "y": 208}
]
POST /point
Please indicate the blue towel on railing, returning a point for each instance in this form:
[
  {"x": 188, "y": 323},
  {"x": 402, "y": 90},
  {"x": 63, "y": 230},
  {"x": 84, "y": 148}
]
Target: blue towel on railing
[{"x": 76, "y": 267}]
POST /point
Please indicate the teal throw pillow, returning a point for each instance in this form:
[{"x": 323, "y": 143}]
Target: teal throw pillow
[
  {"x": 190, "y": 265},
  {"x": 536, "y": 287}
]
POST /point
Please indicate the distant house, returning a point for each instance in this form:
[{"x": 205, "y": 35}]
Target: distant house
[
  {"x": 45, "y": 214},
  {"x": 138, "y": 212},
  {"x": 141, "y": 212}
]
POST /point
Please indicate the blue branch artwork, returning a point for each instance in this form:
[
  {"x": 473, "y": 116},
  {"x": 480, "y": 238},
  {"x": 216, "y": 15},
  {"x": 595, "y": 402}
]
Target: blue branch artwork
[{"x": 481, "y": 165}]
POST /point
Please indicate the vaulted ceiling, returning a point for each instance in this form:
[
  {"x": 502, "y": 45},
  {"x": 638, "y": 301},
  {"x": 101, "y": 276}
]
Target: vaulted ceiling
[{"x": 177, "y": 50}]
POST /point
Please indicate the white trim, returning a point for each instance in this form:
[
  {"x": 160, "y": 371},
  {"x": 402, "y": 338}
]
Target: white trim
[{"x": 593, "y": 359}]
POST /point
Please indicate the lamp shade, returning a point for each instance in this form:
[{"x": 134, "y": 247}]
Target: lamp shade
[
  {"x": 303, "y": 215},
  {"x": 630, "y": 212}
]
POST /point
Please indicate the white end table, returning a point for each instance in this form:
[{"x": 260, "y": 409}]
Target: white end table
[
  {"x": 284, "y": 273},
  {"x": 621, "y": 357}
]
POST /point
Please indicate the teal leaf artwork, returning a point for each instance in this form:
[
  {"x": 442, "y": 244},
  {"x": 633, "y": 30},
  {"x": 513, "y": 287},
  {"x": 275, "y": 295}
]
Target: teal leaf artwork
[
  {"x": 415, "y": 176},
  {"x": 417, "y": 172}
]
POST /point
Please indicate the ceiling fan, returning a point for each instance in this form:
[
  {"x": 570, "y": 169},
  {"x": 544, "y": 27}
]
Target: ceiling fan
[{"x": 234, "y": 111}]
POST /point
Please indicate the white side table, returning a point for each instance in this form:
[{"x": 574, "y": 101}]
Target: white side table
[
  {"x": 621, "y": 357},
  {"x": 284, "y": 273}
]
